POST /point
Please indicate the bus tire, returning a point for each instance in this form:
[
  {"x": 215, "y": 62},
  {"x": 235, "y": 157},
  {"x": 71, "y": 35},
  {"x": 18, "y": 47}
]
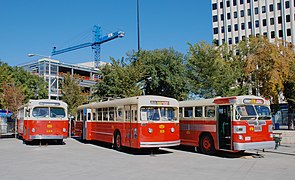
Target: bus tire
[
  {"x": 118, "y": 142},
  {"x": 206, "y": 145}
]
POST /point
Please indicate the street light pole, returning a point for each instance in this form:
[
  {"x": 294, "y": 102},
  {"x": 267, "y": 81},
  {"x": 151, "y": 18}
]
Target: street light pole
[
  {"x": 49, "y": 71},
  {"x": 138, "y": 29}
]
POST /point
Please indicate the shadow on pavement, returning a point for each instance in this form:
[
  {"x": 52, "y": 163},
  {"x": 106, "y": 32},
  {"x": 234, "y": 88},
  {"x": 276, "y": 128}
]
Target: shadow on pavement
[
  {"x": 5, "y": 136},
  {"x": 131, "y": 151},
  {"x": 44, "y": 142},
  {"x": 221, "y": 154}
]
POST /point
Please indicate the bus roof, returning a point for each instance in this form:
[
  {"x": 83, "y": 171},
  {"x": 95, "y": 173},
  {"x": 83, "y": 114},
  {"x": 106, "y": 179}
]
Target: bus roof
[
  {"x": 45, "y": 102},
  {"x": 245, "y": 99},
  {"x": 150, "y": 100}
]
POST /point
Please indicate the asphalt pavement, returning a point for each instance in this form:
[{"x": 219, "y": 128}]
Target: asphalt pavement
[{"x": 94, "y": 160}]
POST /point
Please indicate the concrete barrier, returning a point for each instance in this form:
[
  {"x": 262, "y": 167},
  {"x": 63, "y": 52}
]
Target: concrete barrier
[{"x": 288, "y": 136}]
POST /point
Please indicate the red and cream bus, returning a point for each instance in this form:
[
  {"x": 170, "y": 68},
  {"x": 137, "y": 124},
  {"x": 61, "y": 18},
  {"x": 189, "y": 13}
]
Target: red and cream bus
[
  {"x": 136, "y": 122},
  {"x": 43, "y": 120},
  {"x": 235, "y": 123}
]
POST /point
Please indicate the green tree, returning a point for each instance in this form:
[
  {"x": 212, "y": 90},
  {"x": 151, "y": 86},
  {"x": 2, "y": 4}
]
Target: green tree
[
  {"x": 30, "y": 85},
  {"x": 72, "y": 93},
  {"x": 213, "y": 71},
  {"x": 33, "y": 86},
  {"x": 165, "y": 73},
  {"x": 119, "y": 79}
]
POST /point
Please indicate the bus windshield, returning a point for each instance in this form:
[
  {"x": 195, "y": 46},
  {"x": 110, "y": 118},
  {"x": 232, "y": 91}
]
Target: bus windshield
[
  {"x": 55, "y": 112},
  {"x": 251, "y": 112},
  {"x": 157, "y": 114}
]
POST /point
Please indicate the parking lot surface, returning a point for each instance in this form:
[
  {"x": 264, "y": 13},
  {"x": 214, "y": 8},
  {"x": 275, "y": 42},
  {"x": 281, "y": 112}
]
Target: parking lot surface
[{"x": 77, "y": 160}]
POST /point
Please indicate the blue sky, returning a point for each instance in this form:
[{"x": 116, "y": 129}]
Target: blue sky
[{"x": 35, "y": 26}]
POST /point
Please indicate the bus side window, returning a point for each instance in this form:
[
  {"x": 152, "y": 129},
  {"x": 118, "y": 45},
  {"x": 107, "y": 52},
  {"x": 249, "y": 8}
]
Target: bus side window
[
  {"x": 81, "y": 115},
  {"x": 188, "y": 112},
  {"x": 199, "y": 111},
  {"x": 135, "y": 115},
  {"x": 27, "y": 112},
  {"x": 180, "y": 112},
  {"x": 120, "y": 114},
  {"x": 127, "y": 115},
  {"x": 210, "y": 111},
  {"x": 94, "y": 117},
  {"x": 111, "y": 114},
  {"x": 105, "y": 114},
  {"x": 99, "y": 114},
  {"x": 88, "y": 116}
]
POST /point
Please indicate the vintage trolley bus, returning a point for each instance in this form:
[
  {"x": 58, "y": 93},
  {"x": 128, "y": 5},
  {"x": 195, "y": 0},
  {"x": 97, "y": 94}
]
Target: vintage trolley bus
[
  {"x": 136, "y": 122},
  {"x": 226, "y": 123},
  {"x": 43, "y": 120}
]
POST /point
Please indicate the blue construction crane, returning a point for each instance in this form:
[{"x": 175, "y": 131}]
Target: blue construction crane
[{"x": 98, "y": 40}]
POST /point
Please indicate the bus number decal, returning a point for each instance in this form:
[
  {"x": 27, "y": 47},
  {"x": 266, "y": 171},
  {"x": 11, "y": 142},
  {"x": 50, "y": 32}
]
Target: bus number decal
[{"x": 49, "y": 125}]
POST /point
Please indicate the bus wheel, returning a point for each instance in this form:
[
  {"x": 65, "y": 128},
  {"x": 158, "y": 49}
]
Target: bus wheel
[
  {"x": 118, "y": 142},
  {"x": 207, "y": 144}
]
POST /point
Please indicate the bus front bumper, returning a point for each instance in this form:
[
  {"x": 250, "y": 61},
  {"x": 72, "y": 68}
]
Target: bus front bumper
[
  {"x": 254, "y": 145},
  {"x": 47, "y": 137},
  {"x": 159, "y": 144}
]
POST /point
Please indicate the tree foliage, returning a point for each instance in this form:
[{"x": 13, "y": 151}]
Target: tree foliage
[
  {"x": 213, "y": 71},
  {"x": 119, "y": 79},
  {"x": 268, "y": 66},
  {"x": 72, "y": 93},
  {"x": 165, "y": 73},
  {"x": 157, "y": 72},
  {"x": 19, "y": 81},
  {"x": 12, "y": 96}
]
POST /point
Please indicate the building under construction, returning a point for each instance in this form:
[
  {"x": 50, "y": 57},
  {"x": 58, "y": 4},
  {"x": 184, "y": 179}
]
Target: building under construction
[{"x": 53, "y": 70}]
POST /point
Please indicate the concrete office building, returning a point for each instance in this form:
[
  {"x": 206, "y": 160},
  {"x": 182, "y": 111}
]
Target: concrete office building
[{"x": 235, "y": 20}]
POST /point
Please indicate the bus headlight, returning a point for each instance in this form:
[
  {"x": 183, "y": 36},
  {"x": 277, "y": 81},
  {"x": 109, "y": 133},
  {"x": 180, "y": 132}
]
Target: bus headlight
[
  {"x": 33, "y": 130},
  {"x": 271, "y": 135},
  {"x": 270, "y": 128},
  {"x": 241, "y": 137},
  {"x": 172, "y": 130},
  {"x": 64, "y": 129},
  {"x": 150, "y": 130}
]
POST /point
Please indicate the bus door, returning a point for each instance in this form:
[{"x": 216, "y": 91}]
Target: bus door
[
  {"x": 134, "y": 127},
  {"x": 131, "y": 127},
  {"x": 127, "y": 124},
  {"x": 84, "y": 119},
  {"x": 224, "y": 127}
]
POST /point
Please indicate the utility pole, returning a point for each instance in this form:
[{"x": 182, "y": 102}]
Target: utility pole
[{"x": 138, "y": 28}]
